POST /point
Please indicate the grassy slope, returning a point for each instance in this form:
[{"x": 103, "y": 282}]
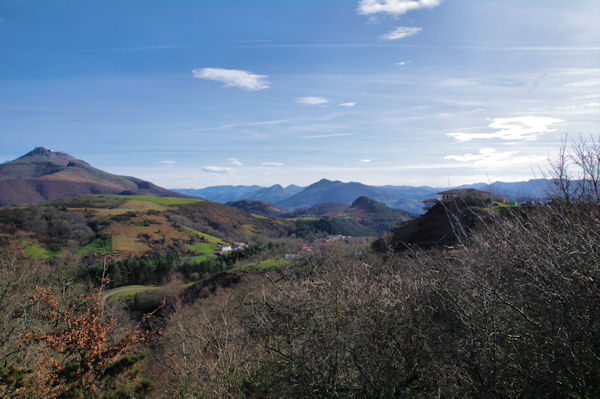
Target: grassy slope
[
  {"x": 100, "y": 245},
  {"x": 262, "y": 265},
  {"x": 36, "y": 251}
]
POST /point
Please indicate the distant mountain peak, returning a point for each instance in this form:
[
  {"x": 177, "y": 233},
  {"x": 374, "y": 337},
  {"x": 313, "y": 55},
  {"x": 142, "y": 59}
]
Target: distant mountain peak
[
  {"x": 44, "y": 174},
  {"x": 324, "y": 182},
  {"x": 39, "y": 151},
  {"x": 42, "y": 150}
]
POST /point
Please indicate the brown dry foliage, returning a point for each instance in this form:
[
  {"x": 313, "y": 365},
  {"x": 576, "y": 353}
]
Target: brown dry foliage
[{"x": 72, "y": 355}]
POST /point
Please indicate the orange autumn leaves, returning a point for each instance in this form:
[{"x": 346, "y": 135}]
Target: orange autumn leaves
[{"x": 74, "y": 353}]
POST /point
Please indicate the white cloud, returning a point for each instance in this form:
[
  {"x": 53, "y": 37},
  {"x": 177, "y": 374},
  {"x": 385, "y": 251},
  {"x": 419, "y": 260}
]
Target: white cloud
[
  {"x": 394, "y": 7},
  {"x": 167, "y": 162},
  {"x": 518, "y": 128},
  {"x": 347, "y": 105},
  {"x": 216, "y": 169},
  {"x": 365, "y": 160},
  {"x": 271, "y": 164},
  {"x": 311, "y": 100},
  {"x": 490, "y": 158},
  {"x": 584, "y": 83},
  {"x": 235, "y": 162},
  {"x": 233, "y": 78},
  {"x": 401, "y": 32},
  {"x": 402, "y": 63}
]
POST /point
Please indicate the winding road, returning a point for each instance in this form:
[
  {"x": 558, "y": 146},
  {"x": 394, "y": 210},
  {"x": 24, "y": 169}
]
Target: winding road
[{"x": 106, "y": 296}]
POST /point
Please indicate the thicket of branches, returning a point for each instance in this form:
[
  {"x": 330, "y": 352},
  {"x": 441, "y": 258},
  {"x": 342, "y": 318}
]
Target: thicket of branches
[{"x": 512, "y": 313}]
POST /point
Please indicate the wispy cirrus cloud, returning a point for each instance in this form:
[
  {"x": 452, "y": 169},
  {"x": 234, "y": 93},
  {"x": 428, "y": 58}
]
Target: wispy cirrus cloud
[
  {"x": 216, "y": 169},
  {"x": 167, "y": 162},
  {"x": 402, "y": 63},
  {"x": 365, "y": 160},
  {"x": 518, "y": 128},
  {"x": 489, "y": 157},
  {"x": 235, "y": 162},
  {"x": 584, "y": 83},
  {"x": 273, "y": 164},
  {"x": 394, "y": 7},
  {"x": 401, "y": 32},
  {"x": 312, "y": 100},
  {"x": 347, "y": 105},
  {"x": 233, "y": 78}
]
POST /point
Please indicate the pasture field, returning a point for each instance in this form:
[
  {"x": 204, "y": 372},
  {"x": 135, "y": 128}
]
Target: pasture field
[
  {"x": 100, "y": 245},
  {"x": 262, "y": 265},
  {"x": 36, "y": 251}
]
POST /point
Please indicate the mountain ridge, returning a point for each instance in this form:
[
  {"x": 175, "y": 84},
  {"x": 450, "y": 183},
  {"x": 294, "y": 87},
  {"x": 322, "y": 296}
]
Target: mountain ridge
[
  {"x": 408, "y": 198},
  {"x": 43, "y": 174}
]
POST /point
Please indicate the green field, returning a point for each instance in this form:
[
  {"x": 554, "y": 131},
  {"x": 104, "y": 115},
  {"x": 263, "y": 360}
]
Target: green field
[
  {"x": 101, "y": 245},
  {"x": 263, "y": 265},
  {"x": 207, "y": 237},
  {"x": 303, "y": 218},
  {"x": 108, "y": 201},
  {"x": 36, "y": 251},
  {"x": 202, "y": 247}
]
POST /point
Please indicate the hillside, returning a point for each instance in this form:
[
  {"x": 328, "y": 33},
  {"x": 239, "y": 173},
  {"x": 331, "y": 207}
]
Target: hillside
[
  {"x": 375, "y": 216},
  {"x": 256, "y": 207},
  {"x": 442, "y": 225},
  {"x": 318, "y": 210},
  {"x": 130, "y": 225},
  {"x": 44, "y": 174}
]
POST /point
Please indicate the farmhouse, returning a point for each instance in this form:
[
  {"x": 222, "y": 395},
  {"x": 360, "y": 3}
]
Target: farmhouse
[{"x": 225, "y": 248}]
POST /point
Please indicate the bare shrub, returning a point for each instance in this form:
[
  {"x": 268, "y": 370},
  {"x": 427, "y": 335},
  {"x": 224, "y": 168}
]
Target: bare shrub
[
  {"x": 576, "y": 171},
  {"x": 204, "y": 351}
]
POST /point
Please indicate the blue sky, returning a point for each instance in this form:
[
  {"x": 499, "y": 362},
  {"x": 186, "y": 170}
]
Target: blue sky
[{"x": 197, "y": 93}]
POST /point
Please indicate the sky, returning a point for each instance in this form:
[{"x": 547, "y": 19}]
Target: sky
[{"x": 195, "y": 93}]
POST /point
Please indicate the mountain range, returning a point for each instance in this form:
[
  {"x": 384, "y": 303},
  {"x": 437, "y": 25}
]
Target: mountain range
[
  {"x": 43, "y": 174},
  {"x": 408, "y": 198}
]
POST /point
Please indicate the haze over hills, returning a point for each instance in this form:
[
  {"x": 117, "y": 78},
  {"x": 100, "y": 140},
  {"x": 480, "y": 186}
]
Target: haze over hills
[
  {"x": 274, "y": 194},
  {"x": 407, "y": 198},
  {"x": 221, "y": 194},
  {"x": 43, "y": 174}
]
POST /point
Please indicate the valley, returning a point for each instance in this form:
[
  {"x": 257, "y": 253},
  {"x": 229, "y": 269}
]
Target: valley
[{"x": 266, "y": 289}]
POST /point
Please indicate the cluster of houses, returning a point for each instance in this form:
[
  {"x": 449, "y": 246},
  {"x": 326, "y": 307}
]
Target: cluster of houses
[
  {"x": 308, "y": 250},
  {"x": 235, "y": 246}
]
